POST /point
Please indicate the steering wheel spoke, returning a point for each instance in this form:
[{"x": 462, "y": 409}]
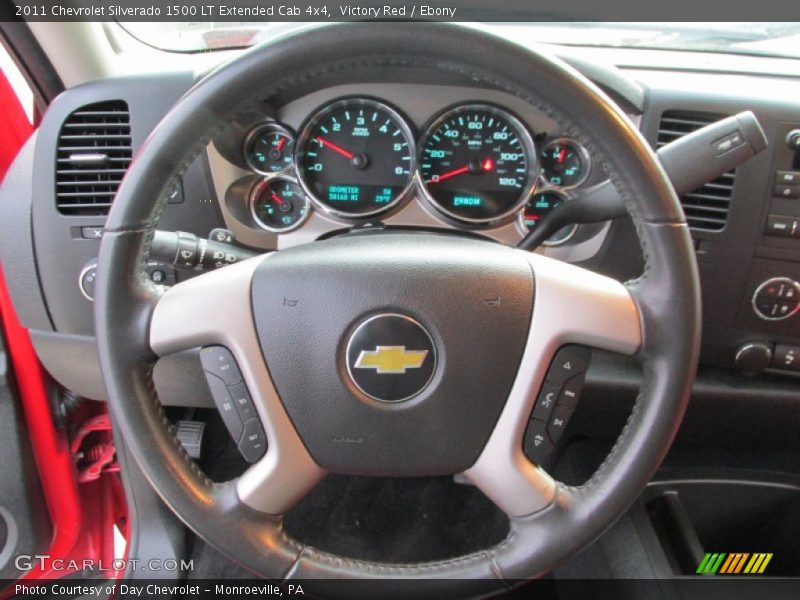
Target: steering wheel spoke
[
  {"x": 572, "y": 306},
  {"x": 216, "y": 309}
]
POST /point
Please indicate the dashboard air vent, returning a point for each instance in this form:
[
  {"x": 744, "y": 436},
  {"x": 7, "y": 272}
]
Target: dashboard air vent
[
  {"x": 706, "y": 208},
  {"x": 94, "y": 150}
]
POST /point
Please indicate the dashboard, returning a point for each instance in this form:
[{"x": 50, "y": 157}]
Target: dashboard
[
  {"x": 412, "y": 155},
  {"x": 455, "y": 157}
]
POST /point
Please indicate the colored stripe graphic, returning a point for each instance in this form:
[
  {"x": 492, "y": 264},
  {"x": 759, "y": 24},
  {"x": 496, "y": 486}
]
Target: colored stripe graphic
[
  {"x": 710, "y": 563},
  {"x": 758, "y": 563},
  {"x": 734, "y": 563}
]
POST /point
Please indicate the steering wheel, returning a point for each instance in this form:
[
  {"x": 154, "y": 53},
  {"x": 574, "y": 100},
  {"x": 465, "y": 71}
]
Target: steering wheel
[{"x": 490, "y": 317}]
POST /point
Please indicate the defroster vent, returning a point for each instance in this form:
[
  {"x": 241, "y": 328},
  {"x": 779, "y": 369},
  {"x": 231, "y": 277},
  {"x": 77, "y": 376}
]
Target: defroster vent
[
  {"x": 707, "y": 207},
  {"x": 94, "y": 151}
]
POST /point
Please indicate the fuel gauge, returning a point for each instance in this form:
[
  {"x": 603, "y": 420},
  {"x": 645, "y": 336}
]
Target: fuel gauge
[{"x": 279, "y": 205}]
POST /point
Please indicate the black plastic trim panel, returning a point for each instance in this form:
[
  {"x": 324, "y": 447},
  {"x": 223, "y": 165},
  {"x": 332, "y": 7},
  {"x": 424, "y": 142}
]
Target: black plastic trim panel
[{"x": 16, "y": 243}]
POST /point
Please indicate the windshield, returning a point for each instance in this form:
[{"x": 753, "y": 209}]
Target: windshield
[{"x": 769, "y": 39}]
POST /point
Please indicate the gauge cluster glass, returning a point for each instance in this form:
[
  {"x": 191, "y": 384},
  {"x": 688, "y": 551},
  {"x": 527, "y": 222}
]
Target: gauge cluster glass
[
  {"x": 476, "y": 165},
  {"x": 355, "y": 157}
]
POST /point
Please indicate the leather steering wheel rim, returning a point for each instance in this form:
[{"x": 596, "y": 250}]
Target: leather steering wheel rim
[{"x": 666, "y": 296}]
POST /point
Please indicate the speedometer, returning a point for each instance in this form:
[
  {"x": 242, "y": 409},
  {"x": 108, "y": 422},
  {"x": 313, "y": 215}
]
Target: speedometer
[
  {"x": 477, "y": 163},
  {"x": 355, "y": 157}
]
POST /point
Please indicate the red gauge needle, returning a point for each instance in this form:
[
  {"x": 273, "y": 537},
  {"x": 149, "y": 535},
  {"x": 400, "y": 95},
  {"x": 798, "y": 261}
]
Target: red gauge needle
[
  {"x": 448, "y": 175},
  {"x": 323, "y": 142},
  {"x": 279, "y": 146},
  {"x": 276, "y": 198},
  {"x": 484, "y": 167},
  {"x": 562, "y": 155}
]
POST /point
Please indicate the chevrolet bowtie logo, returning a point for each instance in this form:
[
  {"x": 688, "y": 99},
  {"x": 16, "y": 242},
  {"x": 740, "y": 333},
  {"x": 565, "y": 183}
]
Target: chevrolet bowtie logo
[{"x": 388, "y": 360}]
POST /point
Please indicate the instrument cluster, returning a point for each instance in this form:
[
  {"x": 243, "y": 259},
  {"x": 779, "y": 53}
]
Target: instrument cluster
[{"x": 357, "y": 159}]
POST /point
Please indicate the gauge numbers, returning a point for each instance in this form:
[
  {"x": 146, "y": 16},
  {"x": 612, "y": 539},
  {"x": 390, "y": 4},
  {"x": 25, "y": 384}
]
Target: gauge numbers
[
  {"x": 356, "y": 157},
  {"x": 476, "y": 163}
]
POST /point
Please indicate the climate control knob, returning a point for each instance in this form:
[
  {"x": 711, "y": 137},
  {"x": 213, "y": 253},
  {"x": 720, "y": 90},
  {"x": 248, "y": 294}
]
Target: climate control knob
[{"x": 777, "y": 299}]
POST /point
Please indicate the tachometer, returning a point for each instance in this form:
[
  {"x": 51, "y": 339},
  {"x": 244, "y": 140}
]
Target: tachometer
[
  {"x": 477, "y": 163},
  {"x": 355, "y": 157}
]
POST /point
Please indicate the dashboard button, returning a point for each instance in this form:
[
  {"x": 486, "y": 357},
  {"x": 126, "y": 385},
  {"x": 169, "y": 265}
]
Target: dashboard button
[
  {"x": 220, "y": 362},
  {"x": 558, "y": 423},
  {"x": 225, "y": 405},
  {"x": 786, "y": 358},
  {"x": 545, "y": 402},
  {"x": 786, "y": 191},
  {"x": 766, "y": 307},
  {"x": 253, "y": 444},
  {"x": 242, "y": 401},
  {"x": 571, "y": 392},
  {"x": 92, "y": 233},
  {"x": 780, "y": 226},
  {"x": 728, "y": 143},
  {"x": 537, "y": 445},
  {"x": 176, "y": 195},
  {"x": 223, "y": 236},
  {"x": 569, "y": 361},
  {"x": 787, "y": 177},
  {"x": 784, "y": 308},
  {"x": 790, "y": 292}
]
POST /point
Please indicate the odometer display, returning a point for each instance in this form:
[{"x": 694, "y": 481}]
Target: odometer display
[
  {"x": 476, "y": 163},
  {"x": 355, "y": 157}
]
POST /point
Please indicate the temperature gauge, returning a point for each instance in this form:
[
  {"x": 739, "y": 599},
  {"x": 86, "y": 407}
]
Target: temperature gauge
[
  {"x": 279, "y": 205},
  {"x": 538, "y": 207},
  {"x": 564, "y": 163},
  {"x": 269, "y": 148}
]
